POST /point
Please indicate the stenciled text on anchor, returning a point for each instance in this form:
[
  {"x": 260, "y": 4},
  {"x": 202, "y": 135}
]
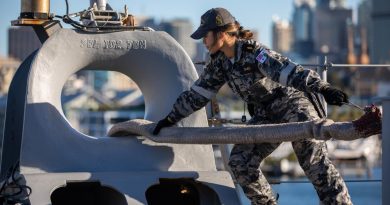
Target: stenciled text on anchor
[{"x": 113, "y": 44}]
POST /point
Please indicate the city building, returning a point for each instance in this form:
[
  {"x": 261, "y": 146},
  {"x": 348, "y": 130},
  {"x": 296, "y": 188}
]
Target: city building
[
  {"x": 322, "y": 3},
  {"x": 8, "y": 67},
  {"x": 332, "y": 4},
  {"x": 370, "y": 82},
  {"x": 147, "y": 22},
  {"x": 181, "y": 30},
  {"x": 93, "y": 113},
  {"x": 351, "y": 55},
  {"x": 281, "y": 35},
  {"x": 22, "y": 41},
  {"x": 380, "y": 48},
  {"x": 303, "y": 27},
  {"x": 330, "y": 32},
  {"x": 201, "y": 57},
  {"x": 364, "y": 29}
]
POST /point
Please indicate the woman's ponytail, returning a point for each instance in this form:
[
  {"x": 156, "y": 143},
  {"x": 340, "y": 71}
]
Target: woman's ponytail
[
  {"x": 235, "y": 29},
  {"x": 244, "y": 34}
]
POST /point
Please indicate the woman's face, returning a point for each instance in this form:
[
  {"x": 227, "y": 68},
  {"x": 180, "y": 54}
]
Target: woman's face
[{"x": 212, "y": 43}]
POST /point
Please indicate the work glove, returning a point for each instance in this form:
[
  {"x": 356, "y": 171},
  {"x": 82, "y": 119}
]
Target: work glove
[
  {"x": 161, "y": 124},
  {"x": 334, "y": 96}
]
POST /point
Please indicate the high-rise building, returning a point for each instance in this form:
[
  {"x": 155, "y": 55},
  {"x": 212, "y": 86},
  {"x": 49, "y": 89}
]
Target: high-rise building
[
  {"x": 323, "y": 3},
  {"x": 380, "y": 46},
  {"x": 331, "y": 4},
  {"x": 8, "y": 67},
  {"x": 364, "y": 30},
  {"x": 303, "y": 26},
  {"x": 364, "y": 13},
  {"x": 147, "y": 22},
  {"x": 281, "y": 35},
  {"x": 337, "y": 4},
  {"x": 351, "y": 55},
  {"x": 201, "y": 57},
  {"x": 22, "y": 41},
  {"x": 330, "y": 34},
  {"x": 181, "y": 30}
]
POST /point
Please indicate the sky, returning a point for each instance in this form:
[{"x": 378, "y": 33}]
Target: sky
[{"x": 252, "y": 14}]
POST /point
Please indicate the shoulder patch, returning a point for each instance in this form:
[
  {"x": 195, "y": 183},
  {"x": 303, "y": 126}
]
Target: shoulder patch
[{"x": 263, "y": 55}]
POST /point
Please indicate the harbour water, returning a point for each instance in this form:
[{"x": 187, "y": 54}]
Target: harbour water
[{"x": 363, "y": 191}]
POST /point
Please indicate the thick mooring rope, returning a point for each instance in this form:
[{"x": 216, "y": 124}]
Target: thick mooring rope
[{"x": 325, "y": 129}]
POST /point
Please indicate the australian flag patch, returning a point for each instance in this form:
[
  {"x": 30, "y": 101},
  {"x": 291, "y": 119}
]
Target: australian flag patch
[{"x": 263, "y": 55}]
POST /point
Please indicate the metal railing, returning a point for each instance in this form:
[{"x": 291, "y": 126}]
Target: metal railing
[{"x": 322, "y": 67}]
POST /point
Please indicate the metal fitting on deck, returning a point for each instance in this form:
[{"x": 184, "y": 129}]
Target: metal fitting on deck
[{"x": 35, "y": 9}]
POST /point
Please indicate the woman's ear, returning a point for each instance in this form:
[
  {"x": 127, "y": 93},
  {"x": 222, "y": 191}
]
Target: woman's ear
[{"x": 221, "y": 35}]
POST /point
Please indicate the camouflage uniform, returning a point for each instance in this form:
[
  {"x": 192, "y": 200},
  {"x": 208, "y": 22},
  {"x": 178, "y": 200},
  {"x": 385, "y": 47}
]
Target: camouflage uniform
[{"x": 281, "y": 92}]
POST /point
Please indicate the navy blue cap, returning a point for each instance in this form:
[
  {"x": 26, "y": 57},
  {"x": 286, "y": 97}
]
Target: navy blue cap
[{"x": 212, "y": 19}]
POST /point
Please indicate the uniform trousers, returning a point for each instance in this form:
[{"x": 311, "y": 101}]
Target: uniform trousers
[{"x": 312, "y": 155}]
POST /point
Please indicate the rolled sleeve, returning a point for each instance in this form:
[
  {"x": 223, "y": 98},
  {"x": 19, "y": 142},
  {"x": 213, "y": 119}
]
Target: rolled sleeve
[
  {"x": 205, "y": 88},
  {"x": 204, "y": 92}
]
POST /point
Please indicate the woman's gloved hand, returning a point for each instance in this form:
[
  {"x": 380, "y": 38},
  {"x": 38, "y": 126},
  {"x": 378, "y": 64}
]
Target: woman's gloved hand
[
  {"x": 161, "y": 124},
  {"x": 334, "y": 96}
]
